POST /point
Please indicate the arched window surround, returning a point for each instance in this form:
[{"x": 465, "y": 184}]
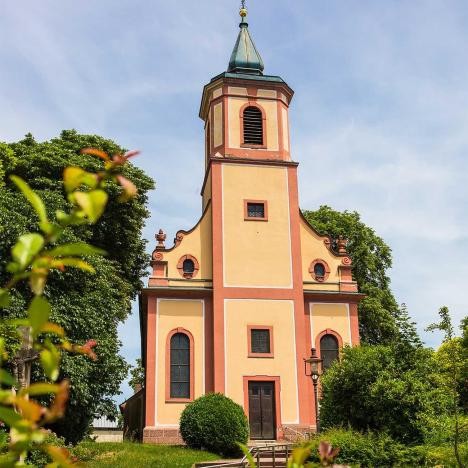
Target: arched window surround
[
  {"x": 241, "y": 116},
  {"x": 168, "y": 366},
  {"x": 180, "y": 266},
  {"x": 328, "y": 331},
  {"x": 320, "y": 279}
]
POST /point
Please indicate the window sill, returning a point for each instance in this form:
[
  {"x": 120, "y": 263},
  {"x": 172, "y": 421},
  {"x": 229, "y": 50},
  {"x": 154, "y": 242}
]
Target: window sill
[
  {"x": 246, "y": 145},
  {"x": 261, "y": 355},
  {"x": 179, "y": 400},
  {"x": 248, "y": 218}
]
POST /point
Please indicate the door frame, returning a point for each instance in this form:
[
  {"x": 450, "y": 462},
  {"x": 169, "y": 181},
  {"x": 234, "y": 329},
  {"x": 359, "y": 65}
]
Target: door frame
[{"x": 276, "y": 380}]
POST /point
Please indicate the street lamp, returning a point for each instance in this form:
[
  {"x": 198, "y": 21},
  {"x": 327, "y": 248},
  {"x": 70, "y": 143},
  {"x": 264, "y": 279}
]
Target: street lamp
[{"x": 313, "y": 369}]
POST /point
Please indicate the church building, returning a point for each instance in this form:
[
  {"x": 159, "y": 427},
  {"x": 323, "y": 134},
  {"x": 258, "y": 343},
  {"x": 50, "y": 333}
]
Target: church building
[{"x": 238, "y": 301}]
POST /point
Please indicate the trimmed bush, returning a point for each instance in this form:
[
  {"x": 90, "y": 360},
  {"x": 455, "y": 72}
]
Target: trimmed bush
[{"x": 215, "y": 423}]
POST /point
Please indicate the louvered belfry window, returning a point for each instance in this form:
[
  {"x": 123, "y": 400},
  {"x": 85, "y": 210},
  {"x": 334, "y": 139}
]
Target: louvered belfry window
[
  {"x": 260, "y": 341},
  {"x": 180, "y": 366},
  {"x": 253, "y": 126},
  {"x": 329, "y": 350}
]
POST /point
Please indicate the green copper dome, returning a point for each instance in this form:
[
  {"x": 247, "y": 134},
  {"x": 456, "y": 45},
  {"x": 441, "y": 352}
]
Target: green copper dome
[{"x": 245, "y": 57}]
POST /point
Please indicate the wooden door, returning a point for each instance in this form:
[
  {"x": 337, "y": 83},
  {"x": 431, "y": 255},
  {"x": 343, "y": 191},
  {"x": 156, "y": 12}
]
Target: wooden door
[{"x": 262, "y": 410}]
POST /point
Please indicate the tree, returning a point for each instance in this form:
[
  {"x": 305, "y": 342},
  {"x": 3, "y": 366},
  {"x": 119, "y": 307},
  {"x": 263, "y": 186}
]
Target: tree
[
  {"x": 372, "y": 388},
  {"x": 137, "y": 375},
  {"x": 381, "y": 321},
  {"x": 453, "y": 365},
  {"x": 85, "y": 306}
]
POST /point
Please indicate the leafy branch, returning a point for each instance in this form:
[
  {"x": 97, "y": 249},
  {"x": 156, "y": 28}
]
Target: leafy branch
[{"x": 34, "y": 256}]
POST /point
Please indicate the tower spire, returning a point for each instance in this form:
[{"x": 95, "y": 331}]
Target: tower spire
[{"x": 245, "y": 57}]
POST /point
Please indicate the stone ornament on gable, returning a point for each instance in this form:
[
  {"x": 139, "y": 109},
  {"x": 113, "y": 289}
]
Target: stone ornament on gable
[
  {"x": 161, "y": 238},
  {"x": 341, "y": 244}
]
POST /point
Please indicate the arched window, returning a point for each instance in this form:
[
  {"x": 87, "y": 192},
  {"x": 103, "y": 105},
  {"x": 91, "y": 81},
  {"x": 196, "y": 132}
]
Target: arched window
[
  {"x": 180, "y": 366},
  {"x": 329, "y": 350},
  {"x": 253, "y": 126},
  {"x": 319, "y": 270},
  {"x": 188, "y": 266}
]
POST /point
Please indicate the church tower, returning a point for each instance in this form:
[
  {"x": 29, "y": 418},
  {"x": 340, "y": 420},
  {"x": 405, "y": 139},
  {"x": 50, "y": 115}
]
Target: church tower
[{"x": 236, "y": 304}]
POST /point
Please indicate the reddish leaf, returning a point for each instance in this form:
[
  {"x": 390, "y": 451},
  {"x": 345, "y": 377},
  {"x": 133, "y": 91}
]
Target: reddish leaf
[
  {"x": 95, "y": 152},
  {"x": 129, "y": 188}
]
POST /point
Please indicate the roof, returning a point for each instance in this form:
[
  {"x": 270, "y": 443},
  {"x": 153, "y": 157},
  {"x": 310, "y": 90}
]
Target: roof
[{"x": 245, "y": 57}]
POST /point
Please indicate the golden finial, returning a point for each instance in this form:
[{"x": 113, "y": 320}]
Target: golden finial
[{"x": 243, "y": 10}]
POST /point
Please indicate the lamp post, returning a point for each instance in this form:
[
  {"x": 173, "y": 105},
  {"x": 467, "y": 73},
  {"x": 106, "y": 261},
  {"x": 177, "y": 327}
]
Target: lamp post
[{"x": 313, "y": 369}]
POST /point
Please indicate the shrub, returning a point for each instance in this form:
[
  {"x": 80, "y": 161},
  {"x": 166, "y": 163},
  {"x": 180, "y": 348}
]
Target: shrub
[
  {"x": 373, "y": 388},
  {"x": 38, "y": 457},
  {"x": 214, "y": 422},
  {"x": 369, "y": 449}
]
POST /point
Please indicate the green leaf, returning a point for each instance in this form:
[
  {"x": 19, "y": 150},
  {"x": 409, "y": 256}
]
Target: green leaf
[
  {"x": 33, "y": 198},
  {"x": 4, "y": 298},
  {"x": 40, "y": 389},
  {"x": 76, "y": 248},
  {"x": 37, "y": 281},
  {"x": 92, "y": 203},
  {"x": 50, "y": 360},
  {"x": 38, "y": 314},
  {"x": 73, "y": 262},
  {"x": 27, "y": 246},
  {"x": 9, "y": 416},
  {"x": 74, "y": 177},
  {"x": 248, "y": 455},
  {"x": 6, "y": 378}
]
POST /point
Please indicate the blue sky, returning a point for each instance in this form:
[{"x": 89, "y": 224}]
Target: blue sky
[{"x": 379, "y": 121}]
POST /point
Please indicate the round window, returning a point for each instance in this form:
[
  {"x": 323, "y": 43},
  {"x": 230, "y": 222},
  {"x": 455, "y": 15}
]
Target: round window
[
  {"x": 188, "y": 266},
  {"x": 319, "y": 270}
]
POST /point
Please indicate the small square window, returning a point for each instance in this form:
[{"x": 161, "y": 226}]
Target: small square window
[
  {"x": 255, "y": 210},
  {"x": 260, "y": 340}
]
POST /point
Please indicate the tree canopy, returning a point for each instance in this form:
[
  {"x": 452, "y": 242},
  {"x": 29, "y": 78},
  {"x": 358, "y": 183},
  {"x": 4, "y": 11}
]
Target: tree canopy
[
  {"x": 381, "y": 320},
  {"x": 86, "y": 306},
  {"x": 373, "y": 388}
]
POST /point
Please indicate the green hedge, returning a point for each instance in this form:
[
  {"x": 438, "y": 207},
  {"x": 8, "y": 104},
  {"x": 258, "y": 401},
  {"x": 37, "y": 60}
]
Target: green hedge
[
  {"x": 215, "y": 423},
  {"x": 372, "y": 449}
]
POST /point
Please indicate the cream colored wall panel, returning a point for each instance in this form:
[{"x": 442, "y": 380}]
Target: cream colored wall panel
[
  {"x": 333, "y": 316},
  {"x": 171, "y": 314},
  {"x": 239, "y": 313},
  {"x": 197, "y": 243},
  {"x": 312, "y": 248},
  {"x": 217, "y": 92},
  {"x": 284, "y": 118},
  {"x": 269, "y": 93},
  {"x": 271, "y": 110},
  {"x": 237, "y": 90},
  {"x": 218, "y": 124},
  {"x": 256, "y": 253}
]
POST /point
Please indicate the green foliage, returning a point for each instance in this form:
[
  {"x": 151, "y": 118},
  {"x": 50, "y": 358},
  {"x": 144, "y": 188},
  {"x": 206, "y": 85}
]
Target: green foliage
[
  {"x": 84, "y": 305},
  {"x": 380, "y": 319},
  {"x": 464, "y": 371},
  {"x": 137, "y": 375},
  {"x": 214, "y": 422},
  {"x": 371, "y": 449},
  {"x": 34, "y": 260},
  {"x": 372, "y": 388},
  {"x": 37, "y": 457},
  {"x": 453, "y": 368}
]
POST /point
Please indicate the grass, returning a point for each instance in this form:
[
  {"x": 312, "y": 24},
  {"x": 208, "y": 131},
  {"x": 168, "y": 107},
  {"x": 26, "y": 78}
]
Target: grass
[{"x": 127, "y": 454}]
